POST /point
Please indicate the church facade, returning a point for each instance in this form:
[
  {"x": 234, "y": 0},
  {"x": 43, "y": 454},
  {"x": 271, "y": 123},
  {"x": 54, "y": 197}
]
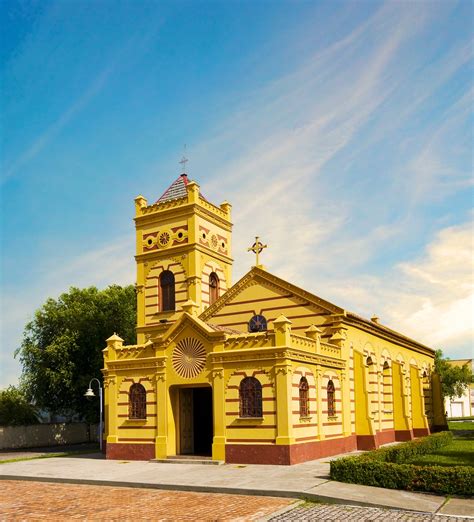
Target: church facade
[{"x": 256, "y": 372}]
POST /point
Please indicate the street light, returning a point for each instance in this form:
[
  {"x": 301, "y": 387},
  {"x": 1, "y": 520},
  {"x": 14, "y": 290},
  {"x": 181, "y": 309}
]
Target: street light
[{"x": 90, "y": 394}]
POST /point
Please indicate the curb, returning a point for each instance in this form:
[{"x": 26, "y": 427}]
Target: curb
[{"x": 297, "y": 495}]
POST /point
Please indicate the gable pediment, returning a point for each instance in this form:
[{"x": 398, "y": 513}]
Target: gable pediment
[{"x": 259, "y": 292}]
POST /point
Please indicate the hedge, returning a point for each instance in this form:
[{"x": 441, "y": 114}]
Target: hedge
[{"x": 385, "y": 468}]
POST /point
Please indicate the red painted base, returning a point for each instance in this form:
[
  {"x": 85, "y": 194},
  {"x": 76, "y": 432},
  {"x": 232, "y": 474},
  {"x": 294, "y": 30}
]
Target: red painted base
[
  {"x": 421, "y": 432},
  {"x": 130, "y": 451},
  {"x": 403, "y": 435},
  {"x": 366, "y": 442},
  {"x": 286, "y": 455},
  {"x": 385, "y": 437}
]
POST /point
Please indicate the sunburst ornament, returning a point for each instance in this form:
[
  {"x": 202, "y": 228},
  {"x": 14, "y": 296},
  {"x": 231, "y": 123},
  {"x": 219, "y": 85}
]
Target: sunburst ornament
[{"x": 189, "y": 357}]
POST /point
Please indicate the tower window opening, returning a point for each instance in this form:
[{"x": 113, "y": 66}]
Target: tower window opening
[
  {"x": 213, "y": 287},
  {"x": 167, "y": 291}
]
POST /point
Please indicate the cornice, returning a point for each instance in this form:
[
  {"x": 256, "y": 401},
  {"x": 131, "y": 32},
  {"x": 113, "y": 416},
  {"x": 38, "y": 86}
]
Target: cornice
[
  {"x": 149, "y": 363},
  {"x": 273, "y": 354},
  {"x": 387, "y": 334}
]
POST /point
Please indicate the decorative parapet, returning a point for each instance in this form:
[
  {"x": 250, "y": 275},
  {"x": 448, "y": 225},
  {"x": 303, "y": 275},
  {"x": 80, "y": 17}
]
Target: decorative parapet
[
  {"x": 303, "y": 343},
  {"x": 220, "y": 211},
  {"x": 250, "y": 340},
  {"x": 164, "y": 205},
  {"x": 315, "y": 346},
  {"x": 330, "y": 349}
]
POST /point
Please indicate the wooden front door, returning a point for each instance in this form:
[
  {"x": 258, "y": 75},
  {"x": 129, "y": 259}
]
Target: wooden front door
[{"x": 186, "y": 421}]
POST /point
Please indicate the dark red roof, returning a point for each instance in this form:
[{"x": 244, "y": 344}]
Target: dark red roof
[{"x": 176, "y": 190}]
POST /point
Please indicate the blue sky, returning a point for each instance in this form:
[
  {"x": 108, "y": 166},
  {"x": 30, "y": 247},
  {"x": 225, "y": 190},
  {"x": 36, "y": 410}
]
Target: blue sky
[{"x": 341, "y": 133}]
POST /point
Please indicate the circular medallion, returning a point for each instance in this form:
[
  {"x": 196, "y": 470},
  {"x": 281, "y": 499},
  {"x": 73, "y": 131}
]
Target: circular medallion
[
  {"x": 164, "y": 238},
  {"x": 189, "y": 357}
]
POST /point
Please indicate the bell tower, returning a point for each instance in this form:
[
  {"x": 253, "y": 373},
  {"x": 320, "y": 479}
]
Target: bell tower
[{"x": 183, "y": 252}]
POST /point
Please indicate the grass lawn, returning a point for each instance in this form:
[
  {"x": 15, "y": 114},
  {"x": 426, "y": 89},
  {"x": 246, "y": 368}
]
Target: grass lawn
[
  {"x": 460, "y": 452},
  {"x": 466, "y": 425}
]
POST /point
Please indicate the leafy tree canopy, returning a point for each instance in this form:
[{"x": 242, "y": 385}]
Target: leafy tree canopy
[
  {"x": 454, "y": 379},
  {"x": 62, "y": 346},
  {"x": 15, "y": 410}
]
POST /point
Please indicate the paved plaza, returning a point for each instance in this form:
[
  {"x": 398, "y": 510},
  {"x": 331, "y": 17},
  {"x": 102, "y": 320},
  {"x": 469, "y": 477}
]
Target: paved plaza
[
  {"x": 58, "y": 502},
  {"x": 88, "y": 486}
]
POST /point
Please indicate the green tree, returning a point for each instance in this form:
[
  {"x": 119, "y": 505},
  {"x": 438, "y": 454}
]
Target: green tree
[
  {"x": 15, "y": 410},
  {"x": 62, "y": 346},
  {"x": 454, "y": 379}
]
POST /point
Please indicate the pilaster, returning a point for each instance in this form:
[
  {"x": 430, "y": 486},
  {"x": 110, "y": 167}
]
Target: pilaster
[{"x": 161, "y": 392}]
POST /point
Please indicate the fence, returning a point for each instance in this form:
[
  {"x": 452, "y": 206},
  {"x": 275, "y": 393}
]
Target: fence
[{"x": 37, "y": 435}]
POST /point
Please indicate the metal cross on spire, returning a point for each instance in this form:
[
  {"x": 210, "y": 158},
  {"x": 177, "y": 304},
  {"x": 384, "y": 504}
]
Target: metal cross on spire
[
  {"x": 184, "y": 160},
  {"x": 257, "y": 249}
]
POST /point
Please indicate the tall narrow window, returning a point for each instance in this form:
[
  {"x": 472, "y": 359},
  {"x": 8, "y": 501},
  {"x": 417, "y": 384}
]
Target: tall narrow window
[
  {"x": 250, "y": 395},
  {"x": 387, "y": 388},
  {"x": 167, "y": 294},
  {"x": 427, "y": 395},
  {"x": 137, "y": 402},
  {"x": 304, "y": 398},
  {"x": 331, "y": 399},
  {"x": 213, "y": 288}
]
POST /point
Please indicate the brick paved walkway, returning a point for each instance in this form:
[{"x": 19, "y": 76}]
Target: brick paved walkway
[
  {"x": 20, "y": 500},
  {"x": 336, "y": 513}
]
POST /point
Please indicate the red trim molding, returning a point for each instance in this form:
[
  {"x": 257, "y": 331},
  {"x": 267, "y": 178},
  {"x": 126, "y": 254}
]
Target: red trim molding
[
  {"x": 124, "y": 451},
  {"x": 286, "y": 455}
]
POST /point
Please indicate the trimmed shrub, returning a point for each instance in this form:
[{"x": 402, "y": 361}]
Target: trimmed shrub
[{"x": 384, "y": 468}]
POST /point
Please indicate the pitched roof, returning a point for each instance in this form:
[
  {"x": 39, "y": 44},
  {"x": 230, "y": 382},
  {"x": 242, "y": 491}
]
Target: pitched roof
[
  {"x": 258, "y": 274},
  {"x": 176, "y": 190}
]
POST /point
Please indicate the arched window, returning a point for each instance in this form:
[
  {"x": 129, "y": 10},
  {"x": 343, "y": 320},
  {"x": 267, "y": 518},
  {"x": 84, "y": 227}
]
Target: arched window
[
  {"x": 304, "y": 397},
  {"x": 213, "y": 288},
  {"x": 331, "y": 399},
  {"x": 167, "y": 296},
  {"x": 137, "y": 402},
  {"x": 250, "y": 395}
]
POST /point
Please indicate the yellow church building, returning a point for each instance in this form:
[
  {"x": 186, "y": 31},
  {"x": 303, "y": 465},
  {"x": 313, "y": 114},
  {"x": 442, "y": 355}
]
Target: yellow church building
[{"x": 259, "y": 371}]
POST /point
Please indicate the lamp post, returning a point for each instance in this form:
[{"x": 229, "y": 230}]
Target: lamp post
[{"x": 89, "y": 394}]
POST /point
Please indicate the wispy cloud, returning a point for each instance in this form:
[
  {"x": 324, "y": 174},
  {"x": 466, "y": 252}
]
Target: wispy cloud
[
  {"x": 50, "y": 133},
  {"x": 324, "y": 230}
]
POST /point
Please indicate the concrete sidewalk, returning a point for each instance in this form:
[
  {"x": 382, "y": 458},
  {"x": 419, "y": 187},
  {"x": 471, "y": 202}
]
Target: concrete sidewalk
[{"x": 309, "y": 480}]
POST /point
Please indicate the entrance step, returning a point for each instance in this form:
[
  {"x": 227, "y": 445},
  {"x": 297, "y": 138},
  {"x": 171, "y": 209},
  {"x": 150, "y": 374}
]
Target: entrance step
[{"x": 188, "y": 459}]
